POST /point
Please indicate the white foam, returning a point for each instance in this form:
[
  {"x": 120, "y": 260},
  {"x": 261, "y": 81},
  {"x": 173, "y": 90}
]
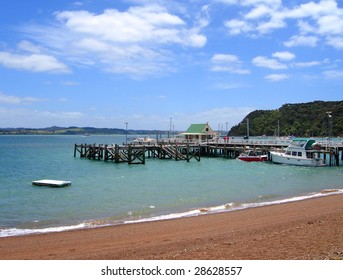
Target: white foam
[
  {"x": 233, "y": 206},
  {"x": 293, "y": 199},
  {"x": 18, "y": 231}
]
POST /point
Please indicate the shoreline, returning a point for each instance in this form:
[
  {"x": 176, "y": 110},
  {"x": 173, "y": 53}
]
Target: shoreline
[
  {"x": 306, "y": 229},
  {"x": 229, "y": 207}
]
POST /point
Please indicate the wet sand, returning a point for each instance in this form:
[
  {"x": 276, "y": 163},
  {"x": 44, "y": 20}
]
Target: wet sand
[{"x": 309, "y": 229}]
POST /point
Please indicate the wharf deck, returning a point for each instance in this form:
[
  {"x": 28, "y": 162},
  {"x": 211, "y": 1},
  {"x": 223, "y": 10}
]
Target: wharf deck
[{"x": 137, "y": 153}]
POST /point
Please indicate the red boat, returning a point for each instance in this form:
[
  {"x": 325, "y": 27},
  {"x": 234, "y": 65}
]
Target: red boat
[{"x": 253, "y": 156}]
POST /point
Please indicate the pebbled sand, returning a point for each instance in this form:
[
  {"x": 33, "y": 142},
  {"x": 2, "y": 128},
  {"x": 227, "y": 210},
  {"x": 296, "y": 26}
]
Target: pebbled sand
[{"x": 309, "y": 229}]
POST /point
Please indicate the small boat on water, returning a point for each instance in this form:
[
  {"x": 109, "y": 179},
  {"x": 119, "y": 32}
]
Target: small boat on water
[
  {"x": 51, "y": 183},
  {"x": 252, "y": 156},
  {"x": 301, "y": 151},
  {"x": 144, "y": 141}
]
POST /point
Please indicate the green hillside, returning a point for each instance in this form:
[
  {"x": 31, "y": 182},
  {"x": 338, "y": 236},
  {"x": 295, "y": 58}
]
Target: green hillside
[{"x": 304, "y": 119}]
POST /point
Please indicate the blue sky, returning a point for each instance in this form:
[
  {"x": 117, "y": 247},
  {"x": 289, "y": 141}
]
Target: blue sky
[{"x": 103, "y": 63}]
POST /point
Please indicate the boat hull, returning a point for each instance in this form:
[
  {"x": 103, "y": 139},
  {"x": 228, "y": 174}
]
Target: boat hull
[
  {"x": 281, "y": 158},
  {"x": 51, "y": 183},
  {"x": 253, "y": 158}
]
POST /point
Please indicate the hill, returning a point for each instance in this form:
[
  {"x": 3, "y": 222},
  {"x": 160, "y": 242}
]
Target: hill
[
  {"x": 73, "y": 130},
  {"x": 311, "y": 119}
]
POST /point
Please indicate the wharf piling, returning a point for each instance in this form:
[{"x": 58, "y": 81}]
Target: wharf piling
[{"x": 136, "y": 154}]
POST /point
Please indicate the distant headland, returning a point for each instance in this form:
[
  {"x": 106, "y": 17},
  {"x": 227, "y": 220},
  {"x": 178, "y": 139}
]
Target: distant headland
[{"x": 72, "y": 130}]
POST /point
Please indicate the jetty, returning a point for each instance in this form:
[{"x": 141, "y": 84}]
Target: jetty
[
  {"x": 137, "y": 153},
  {"x": 181, "y": 149}
]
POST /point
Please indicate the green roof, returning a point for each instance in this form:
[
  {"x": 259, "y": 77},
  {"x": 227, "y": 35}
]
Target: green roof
[{"x": 196, "y": 128}]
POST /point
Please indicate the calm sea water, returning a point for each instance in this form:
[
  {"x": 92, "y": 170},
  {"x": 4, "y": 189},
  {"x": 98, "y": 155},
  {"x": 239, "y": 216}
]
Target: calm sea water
[{"x": 105, "y": 193}]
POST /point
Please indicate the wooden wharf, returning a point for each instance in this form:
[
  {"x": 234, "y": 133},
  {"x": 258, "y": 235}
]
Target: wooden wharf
[
  {"x": 182, "y": 150},
  {"x": 136, "y": 154}
]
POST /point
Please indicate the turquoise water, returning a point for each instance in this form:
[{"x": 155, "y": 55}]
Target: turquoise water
[{"x": 107, "y": 193}]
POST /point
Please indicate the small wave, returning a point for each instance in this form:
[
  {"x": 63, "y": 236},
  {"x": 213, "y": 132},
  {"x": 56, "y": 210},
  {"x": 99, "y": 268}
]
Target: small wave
[
  {"x": 236, "y": 206},
  {"x": 17, "y": 231}
]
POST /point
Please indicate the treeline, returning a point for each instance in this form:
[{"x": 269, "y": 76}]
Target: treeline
[{"x": 313, "y": 119}]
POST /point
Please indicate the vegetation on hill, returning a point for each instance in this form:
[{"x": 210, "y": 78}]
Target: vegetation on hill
[{"x": 314, "y": 119}]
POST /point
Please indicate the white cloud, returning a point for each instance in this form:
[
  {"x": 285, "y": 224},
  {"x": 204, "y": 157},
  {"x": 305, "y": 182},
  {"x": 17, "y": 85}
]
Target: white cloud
[
  {"x": 136, "y": 25},
  {"x": 78, "y": 3},
  {"x": 228, "y": 63},
  {"x": 262, "y": 17},
  {"x": 333, "y": 74},
  {"x": 336, "y": 42},
  {"x": 307, "y": 64},
  {"x": 27, "y": 46},
  {"x": 331, "y": 24},
  {"x": 32, "y": 62},
  {"x": 15, "y": 100},
  {"x": 138, "y": 41},
  {"x": 305, "y": 27},
  {"x": 286, "y": 56},
  {"x": 262, "y": 61},
  {"x": 92, "y": 45},
  {"x": 237, "y": 27},
  {"x": 300, "y": 40},
  {"x": 151, "y": 24},
  {"x": 270, "y": 3},
  {"x": 193, "y": 39},
  {"x": 224, "y": 58},
  {"x": 276, "y": 77},
  {"x": 258, "y": 12},
  {"x": 276, "y": 22},
  {"x": 227, "y": 2},
  {"x": 312, "y": 9},
  {"x": 316, "y": 21}
]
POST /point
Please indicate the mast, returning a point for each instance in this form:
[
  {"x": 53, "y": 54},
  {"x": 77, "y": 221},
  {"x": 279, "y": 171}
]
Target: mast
[{"x": 248, "y": 127}]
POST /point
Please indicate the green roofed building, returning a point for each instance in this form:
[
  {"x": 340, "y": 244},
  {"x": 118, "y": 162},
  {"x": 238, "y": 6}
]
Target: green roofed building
[{"x": 201, "y": 132}]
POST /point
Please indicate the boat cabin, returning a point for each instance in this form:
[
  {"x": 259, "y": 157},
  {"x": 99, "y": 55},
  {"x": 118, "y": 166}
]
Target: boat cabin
[{"x": 300, "y": 145}]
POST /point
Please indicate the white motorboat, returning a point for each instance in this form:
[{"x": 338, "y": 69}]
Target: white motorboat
[
  {"x": 144, "y": 141},
  {"x": 299, "y": 152},
  {"x": 51, "y": 183}
]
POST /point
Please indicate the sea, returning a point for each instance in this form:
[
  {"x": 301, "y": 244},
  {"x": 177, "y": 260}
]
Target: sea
[{"x": 106, "y": 193}]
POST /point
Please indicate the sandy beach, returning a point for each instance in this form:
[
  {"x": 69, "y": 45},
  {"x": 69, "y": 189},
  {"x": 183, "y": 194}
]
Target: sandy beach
[{"x": 309, "y": 229}]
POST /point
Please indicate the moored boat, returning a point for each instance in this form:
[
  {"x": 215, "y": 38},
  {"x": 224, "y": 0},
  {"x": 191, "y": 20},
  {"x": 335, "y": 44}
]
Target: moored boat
[
  {"x": 300, "y": 152},
  {"x": 253, "y": 156},
  {"x": 51, "y": 183},
  {"x": 144, "y": 141}
]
